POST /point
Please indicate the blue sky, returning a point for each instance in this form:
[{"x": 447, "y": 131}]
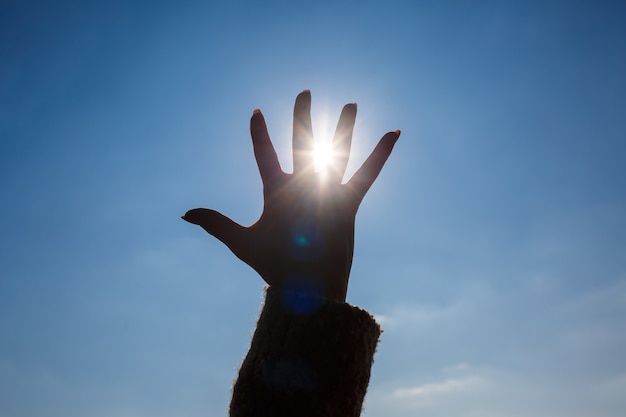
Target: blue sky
[{"x": 492, "y": 248}]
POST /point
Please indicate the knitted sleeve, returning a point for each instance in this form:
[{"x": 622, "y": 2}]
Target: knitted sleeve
[{"x": 308, "y": 357}]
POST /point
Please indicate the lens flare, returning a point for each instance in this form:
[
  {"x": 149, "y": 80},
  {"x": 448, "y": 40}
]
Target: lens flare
[{"x": 303, "y": 293}]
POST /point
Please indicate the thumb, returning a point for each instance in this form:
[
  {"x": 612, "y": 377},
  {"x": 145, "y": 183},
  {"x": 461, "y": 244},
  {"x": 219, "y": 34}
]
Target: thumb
[{"x": 230, "y": 233}]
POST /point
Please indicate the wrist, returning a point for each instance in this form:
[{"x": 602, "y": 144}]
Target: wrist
[{"x": 312, "y": 288}]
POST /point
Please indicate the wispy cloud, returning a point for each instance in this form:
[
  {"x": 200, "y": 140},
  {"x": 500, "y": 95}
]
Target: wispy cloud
[
  {"x": 475, "y": 297},
  {"x": 459, "y": 367},
  {"x": 434, "y": 388},
  {"x": 611, "y": 390},
  {"x": 440, "y": 395},
  {"x": 424, "y": 315}
]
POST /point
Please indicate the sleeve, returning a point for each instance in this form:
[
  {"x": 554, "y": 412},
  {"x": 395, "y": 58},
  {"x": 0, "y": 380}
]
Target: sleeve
[{"x": 308, "y": 357}]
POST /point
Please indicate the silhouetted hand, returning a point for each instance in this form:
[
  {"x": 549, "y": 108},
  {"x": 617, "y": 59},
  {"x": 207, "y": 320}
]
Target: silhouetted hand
[{"x": 304, "y": 239}]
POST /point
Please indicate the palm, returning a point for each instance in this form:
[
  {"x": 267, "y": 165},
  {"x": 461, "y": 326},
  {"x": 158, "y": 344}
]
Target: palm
[{"x": 304, "y": 238}]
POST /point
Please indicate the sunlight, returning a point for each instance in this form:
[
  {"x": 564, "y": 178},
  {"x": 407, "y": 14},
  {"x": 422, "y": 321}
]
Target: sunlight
[
  {"x": 323, "y": 149},
  {"x": 323, "y": 155}
]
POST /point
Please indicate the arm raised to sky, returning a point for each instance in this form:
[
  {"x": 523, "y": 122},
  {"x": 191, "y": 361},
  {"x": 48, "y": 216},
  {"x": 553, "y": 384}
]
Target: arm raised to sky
[{"x": 311, "y": 353}]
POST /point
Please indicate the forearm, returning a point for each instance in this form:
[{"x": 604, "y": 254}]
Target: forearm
[{"x": 306, "y": 364}]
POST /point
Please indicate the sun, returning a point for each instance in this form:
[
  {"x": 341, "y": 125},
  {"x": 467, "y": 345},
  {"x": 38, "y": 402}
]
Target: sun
[{"x": 322, "y": 155}]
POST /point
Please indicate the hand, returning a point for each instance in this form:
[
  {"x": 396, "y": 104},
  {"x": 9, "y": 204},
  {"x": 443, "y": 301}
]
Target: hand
[{"x": 304, "y": 238}]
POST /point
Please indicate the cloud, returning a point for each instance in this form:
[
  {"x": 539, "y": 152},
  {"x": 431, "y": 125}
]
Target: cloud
[
  {"x": 459, "y": 367},
  {"x": 472, "y": 299},
  {"x": 611, "y": 391},
  {"x": 435, "y": 388},
  {"x": 441, "y": 396},
  {"x": 485, "y": 392},
  {"x": 423, "y": 316},
  {"x": 382, "y": 319}
]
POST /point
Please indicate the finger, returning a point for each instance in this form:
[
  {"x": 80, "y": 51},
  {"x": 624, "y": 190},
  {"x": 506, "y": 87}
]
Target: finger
[
  {"x": 227, "y": 231},
  {"x": 342, "y": 142},
  {"x": 363, "y": 179},
  {"x": 302, "y": 134},
  {"x": 264, "y": 152}
]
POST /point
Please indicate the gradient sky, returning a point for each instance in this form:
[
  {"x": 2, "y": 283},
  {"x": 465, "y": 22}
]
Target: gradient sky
[{"x": 492, "y": 248}]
